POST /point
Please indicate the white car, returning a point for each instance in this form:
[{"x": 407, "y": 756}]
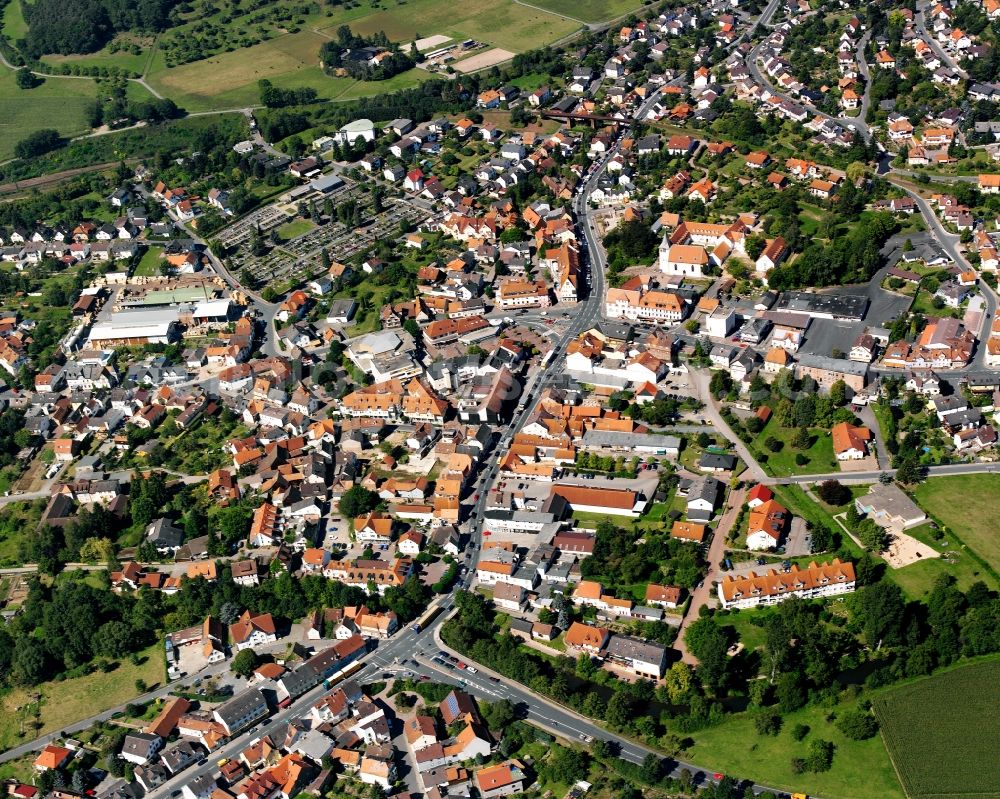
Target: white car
[{"x": 472, "y": 669}]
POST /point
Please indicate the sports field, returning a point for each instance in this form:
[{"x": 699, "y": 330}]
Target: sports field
[{"x": 939, "y": 733}]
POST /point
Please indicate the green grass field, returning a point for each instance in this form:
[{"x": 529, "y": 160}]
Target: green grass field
[
  {"x": 951, "y": 499},
  {"x": 149, "y": 264},
  {"x": 861, "y": 769},
  {"x": 294, "y": 229},
  {"x": 938, "y": 732},
  {"x": 291, "y": 60},
  {"x": 589, "y": 10},
  {"x": 122, "y": 59},
  {"x": 14, "y": 26},
  {"x": 59, "y": 103},
  {"x": 782, "y": 463},
  {"x": 71, "y": 700}
]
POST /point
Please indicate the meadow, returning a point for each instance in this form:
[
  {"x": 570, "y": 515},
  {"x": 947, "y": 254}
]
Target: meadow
[
  {"x": 66, "y": 701},
  {"x": 938, "y": 731},
  {"x": 59, "y": 103},
  {"x": 734, "y": 747},
  {"x": 949, "y": 500},
  {"x": 289, "y": 56}
]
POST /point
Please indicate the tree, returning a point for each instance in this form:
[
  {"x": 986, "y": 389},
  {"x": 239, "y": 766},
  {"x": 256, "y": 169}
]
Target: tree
[
  {"x": 114, "y": 639},
  {"x": 767, "y": 721},
  {"x": 565, "y": 765},
  {"x": 755, "y": 246},
  {"x": 25, "y": 79},
  {"x": 29, "y": 662},
  {"x": 838, "y": 393},
  {"x": 857, "y": 724},
  {"x": 38, "y": 143},
  {"x": 908, "y": 472},
  {"x": 244, "y": 663},
  {"x": 879, "y": 609},
  {"x": 678, "y": 682},
  {"x": 874, "y": 538},
  {"x": 833, "y": 492},
  {"x": 498, "y": 715},
  {"x": 709, "y": 644},
  {"x": 820, "y": 757},
  {"x": 801, "y": 439},
  {"x": 97, "y": 550},
  {"x": 357, "y": 501}
]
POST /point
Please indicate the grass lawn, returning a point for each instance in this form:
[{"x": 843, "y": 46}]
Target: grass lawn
[
  {"x": 366, "y": 88},
  {"x": 924, "y": 303},
  {"x": 951, "y": 501},
  {"x": 861, "y": 769},
  {"x": 819, "y": 455},
  {"x": 14, "y": 26},
  {"x": 71, "y": 700},
  {"x": 934, "y": 729},
  {"x": 59, "y": 103},
  {"x": 149, "y": 265},
  {"x": 752, "y": 636},
  {"x": 591, "y": 520},
  {"x": 294, "y": 229},
  {"x": 589, "y": 10},
  {"x": 502, "y": 23}
]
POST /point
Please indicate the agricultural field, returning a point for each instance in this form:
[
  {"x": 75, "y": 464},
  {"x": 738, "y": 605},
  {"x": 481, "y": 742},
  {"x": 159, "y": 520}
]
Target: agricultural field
[
  {"x": 288, "y": 56},
  {"x": 937, "y": 731}
]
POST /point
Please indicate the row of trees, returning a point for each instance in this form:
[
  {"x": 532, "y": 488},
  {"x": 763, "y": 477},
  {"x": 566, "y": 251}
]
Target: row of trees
[{"x": 66, "y": 627}]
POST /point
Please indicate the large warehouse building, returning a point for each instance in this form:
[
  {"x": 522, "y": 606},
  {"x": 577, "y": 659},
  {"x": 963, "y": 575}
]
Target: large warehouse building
[{"x": 126, "y": 328}]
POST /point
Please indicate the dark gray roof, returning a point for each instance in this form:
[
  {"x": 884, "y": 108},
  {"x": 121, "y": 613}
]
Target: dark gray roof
[{"x": 628, "y": 648}]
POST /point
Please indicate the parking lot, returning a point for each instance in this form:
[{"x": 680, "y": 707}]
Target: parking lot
[{"x": 826, "y": 335}]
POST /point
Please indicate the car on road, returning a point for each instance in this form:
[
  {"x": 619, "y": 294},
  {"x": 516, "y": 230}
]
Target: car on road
[
  {"x": 586, "y": 738},
  {"x": 472, "y": 670}
]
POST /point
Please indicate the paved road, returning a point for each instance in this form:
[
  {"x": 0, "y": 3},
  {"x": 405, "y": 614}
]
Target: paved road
[
  {"x": 701, "y": 379},
  {"x": 704, "y": 593},
  {"x": 950, "y": 243},
  {"x": 858, "y": 123},
  {"x": 872, "y": 476},
  {"x": 867, "y": 416},
  {"x": 921, "y": 26}
]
